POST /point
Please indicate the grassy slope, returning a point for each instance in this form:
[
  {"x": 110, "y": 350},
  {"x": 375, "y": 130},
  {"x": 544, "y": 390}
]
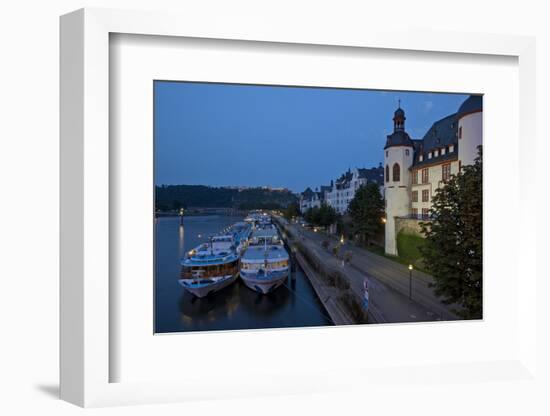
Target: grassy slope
[{"x": 408, "y": 247}]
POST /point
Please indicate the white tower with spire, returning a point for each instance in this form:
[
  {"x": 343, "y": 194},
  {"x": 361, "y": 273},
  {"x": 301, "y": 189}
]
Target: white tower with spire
[{"x": 398, "y": 158}]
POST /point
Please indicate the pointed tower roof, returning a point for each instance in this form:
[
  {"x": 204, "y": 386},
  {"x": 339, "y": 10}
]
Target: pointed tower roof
[{"x": 399, "y": 137}]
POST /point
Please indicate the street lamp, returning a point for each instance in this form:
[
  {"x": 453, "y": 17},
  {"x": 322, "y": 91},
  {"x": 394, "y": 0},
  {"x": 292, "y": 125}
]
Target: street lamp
[
  {"x": 181, "y": 217},
  {"x": 342, "y": 239},
  {"x": 410, "y": 280},
  {"x": 383, "y": 220}
]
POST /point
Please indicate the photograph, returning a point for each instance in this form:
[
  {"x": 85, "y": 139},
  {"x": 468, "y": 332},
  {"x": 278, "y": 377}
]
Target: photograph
[{"x": 291, "y": 207}]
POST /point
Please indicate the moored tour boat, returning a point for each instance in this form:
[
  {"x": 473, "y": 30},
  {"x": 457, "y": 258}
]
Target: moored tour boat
[
  {"x": 213, "y": 266},
  {"x": 264, "y": 265}
]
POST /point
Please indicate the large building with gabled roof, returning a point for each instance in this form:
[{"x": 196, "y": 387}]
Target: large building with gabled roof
[{"x": 414, "y": 169}]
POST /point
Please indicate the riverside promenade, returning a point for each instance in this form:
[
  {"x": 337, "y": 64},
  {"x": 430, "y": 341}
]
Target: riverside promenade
[{"x": 388, "y": 281}]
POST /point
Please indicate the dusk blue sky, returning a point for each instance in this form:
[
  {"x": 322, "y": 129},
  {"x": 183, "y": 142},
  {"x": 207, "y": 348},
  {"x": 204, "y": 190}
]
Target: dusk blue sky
[{"x": 245, "y": 135}]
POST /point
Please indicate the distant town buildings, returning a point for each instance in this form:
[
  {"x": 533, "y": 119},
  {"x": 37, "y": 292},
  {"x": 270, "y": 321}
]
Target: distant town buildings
[
  {"x": 414, "y": 169},
  {"x": 341, "y": 191}
]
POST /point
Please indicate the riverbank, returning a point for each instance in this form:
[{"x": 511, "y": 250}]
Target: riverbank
[
  {"x": 395, "y": 295},
  {"x": 342, "y": 299}
]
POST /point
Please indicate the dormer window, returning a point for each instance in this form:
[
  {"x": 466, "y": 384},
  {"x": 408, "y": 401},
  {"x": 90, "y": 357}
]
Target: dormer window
[
  {"x": 430, "y": 155},
  {"x": 442, "y": 151},
  {"x": 436, "y": 153},
  {"x": 420, "y": 158},
  {"x": 451, "y": 148}
]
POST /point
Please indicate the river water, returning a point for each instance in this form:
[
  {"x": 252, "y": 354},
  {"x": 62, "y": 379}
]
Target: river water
[{"x": 236, "y": 307}]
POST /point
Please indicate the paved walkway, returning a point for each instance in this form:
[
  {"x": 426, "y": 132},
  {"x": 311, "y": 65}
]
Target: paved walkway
[
  {"x": 390, "y": 273},
  {"x": 389, "y": 301}
]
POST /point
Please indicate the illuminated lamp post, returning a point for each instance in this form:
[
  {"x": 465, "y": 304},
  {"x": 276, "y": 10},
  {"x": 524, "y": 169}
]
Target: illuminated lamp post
[{"x": 410, "y": 280}]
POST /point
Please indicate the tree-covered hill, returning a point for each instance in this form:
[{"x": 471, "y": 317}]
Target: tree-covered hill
[{"x": 170, "y": 197}]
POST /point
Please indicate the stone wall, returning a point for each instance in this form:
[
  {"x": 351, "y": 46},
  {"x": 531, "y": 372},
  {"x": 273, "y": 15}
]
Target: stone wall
[{"x": 408, "y": 226}]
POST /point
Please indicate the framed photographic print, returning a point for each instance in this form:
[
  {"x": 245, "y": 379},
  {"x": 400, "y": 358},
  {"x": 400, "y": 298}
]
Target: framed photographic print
[
  {"x": 290, "y": 211},
  {"x": 254, "y": 242}
]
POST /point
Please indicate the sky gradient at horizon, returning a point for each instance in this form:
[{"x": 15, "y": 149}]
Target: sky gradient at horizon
[{"x": 290, "y": 137}]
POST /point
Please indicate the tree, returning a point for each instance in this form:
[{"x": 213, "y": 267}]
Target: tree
[
  {"x": 366, "y": 210},
  {"x": 453, "y": 249},
  {"x": 322, "y": 216},
  {"x": 291, "y": 211},
  {"x": 327, "y": 215},
  {"x": 312, "y": 215}
]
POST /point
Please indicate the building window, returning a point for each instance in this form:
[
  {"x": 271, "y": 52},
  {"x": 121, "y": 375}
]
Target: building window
[
  {"x": 451, "y": 148},
  {"x": 436, "y": 153},
  {"x": 460, "y": 132},
  {"x": 415, "y": 212},
  {"x": 430, "y": 155},
  {"x": 425, "y": 175},
  {"x": 386, "y": 153},
  {"x": 406, "y": 152},
  {"x": 415, "y": 177},
  {"x": 396, "y": 172},
  {"x": 425, "y": 213},
  {"x": 420, "y": 158},
  {"x": 425, "y": 195},
  {"x": 415, "y": 196},
  {"x": 387, "y": 173},
  {"x": 446, "y": 172},
  {"x": 442, "y": 151}
]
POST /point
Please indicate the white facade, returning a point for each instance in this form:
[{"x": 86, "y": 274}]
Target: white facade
[
  {"x": 307, "y": 203},
  {"x": 470, "y": 133},
  {"x": 343, "y": 191},
  {"x": 423, "y": 191},
  {"x": 397, "y": 161}
]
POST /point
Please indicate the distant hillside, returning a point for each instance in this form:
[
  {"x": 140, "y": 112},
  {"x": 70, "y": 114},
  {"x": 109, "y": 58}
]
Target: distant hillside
[{"x": 170, "y": 197}]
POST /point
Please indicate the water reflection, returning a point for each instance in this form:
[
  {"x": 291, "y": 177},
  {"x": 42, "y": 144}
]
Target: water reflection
[
  {"x": 235, "y": 307},
  {"x": 217, "y": 306},
  {"x": 181, "y": 242}
]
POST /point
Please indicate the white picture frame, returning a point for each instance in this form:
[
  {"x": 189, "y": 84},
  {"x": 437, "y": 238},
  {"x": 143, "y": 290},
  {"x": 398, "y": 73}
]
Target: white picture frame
[{"x": 86, "y": 219}]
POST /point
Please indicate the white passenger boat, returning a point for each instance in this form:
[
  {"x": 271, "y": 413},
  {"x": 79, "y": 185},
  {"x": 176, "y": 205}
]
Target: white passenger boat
[
  {"x": 264, "y": 265},
  {"x": 213, "y": 266}
]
